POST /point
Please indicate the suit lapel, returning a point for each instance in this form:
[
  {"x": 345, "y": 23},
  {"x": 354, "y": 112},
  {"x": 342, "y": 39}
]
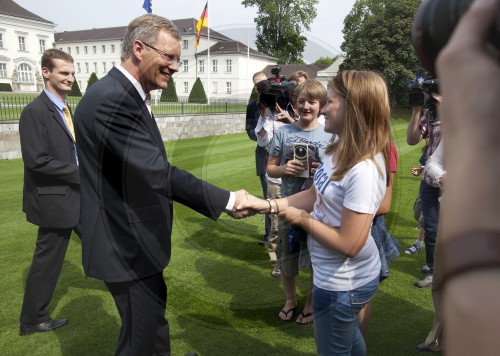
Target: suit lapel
[
  {"x": 146, "y": 116},
  {"x": 55, "y": 114}
]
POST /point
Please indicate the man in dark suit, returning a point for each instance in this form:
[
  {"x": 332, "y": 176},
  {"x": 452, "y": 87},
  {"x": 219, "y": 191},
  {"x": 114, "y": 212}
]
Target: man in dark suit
[
  {"x": 261, "y": 155},
  {"x": 128, "y": 185},
  {"x": 51, "y": 196}
]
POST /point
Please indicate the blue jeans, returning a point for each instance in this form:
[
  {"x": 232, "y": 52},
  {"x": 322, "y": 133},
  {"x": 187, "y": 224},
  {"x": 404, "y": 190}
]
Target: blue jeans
[
  {"x": 388, "y": 246},
  {"x": 336, "y": 328},
  {"x": 430, "y": 210}
]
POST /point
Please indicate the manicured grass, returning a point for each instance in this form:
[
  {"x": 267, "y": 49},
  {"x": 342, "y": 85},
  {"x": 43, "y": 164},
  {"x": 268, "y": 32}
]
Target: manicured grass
[{"x": 221, "y": 297}]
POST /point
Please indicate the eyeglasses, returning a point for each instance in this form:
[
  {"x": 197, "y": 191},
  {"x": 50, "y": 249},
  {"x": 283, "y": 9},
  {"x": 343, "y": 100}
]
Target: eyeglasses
[{"x": 168, "y": 57}]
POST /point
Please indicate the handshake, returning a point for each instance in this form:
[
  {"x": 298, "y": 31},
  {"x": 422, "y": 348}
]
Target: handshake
[{"x": 248, "y": 205}]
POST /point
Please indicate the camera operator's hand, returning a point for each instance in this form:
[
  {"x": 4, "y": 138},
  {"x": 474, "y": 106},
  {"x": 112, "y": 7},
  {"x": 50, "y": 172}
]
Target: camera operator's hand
[
  {"x": 413, "y": 134},
  {"x": 469, "y": 76},
  {"x": 294, "y": 168},
  {"x": 283, "y": 115},
  {"x": 264, "y": 112},
  {"x": 416, "y": 171}
]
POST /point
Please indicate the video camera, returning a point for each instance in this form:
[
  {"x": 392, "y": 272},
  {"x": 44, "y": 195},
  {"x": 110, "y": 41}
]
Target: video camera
[
  {"x": 421, "y": 88},
  {"x": 275, "y": 90}
]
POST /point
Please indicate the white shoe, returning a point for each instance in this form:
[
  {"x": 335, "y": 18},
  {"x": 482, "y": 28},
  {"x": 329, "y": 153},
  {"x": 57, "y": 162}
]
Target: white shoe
[
  {"x": 413, "y": 249},
  {"x": 276, "y": 273}
]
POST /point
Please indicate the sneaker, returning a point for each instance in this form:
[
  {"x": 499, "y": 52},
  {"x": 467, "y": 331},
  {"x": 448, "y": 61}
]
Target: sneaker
[
  {"x": 424, "y": 283},
  {"x": 276, "y": 273},
  {"x": 413, "y": 249},
  {"x": 263, "y": 243},
  {"x": 425, "y": 269}
]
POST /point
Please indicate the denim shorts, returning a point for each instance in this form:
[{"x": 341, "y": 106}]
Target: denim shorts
[{"x": 336, "y": 328}]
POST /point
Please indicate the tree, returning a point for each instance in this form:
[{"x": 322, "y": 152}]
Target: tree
[
  {"x": 325, "y": 60},
  {"x": 377, "y": 36},
  {"x": 197, "y": 94},
  {"x": 169, "y": 94},
  {"x": 279, "y": 27},
  {"x": 75, "y": 90},
  {"x": 93, "y": 78}
]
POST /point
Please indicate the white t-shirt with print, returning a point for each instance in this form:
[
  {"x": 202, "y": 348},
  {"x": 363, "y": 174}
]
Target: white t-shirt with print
[{"x": 362, "y": 190}]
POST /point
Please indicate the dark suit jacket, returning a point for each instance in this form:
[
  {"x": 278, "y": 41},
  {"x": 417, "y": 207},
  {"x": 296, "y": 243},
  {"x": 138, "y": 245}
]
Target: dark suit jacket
[
  {"x": 51, "y": 196},
  {"x": 252, "y": 117},
  {"x": 128, "y": 184}
]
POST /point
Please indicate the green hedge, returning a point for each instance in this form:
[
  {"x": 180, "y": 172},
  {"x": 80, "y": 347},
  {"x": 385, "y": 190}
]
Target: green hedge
[{"x": 5, "y": 87}]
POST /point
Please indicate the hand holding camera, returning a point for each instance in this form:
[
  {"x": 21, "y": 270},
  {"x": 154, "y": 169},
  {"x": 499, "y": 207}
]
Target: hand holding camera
[
  {"x": 283, "y": 116},
  {"x": 416, "y": 171}
]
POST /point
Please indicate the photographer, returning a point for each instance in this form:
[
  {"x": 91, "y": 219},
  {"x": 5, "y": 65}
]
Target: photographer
[
  {"x": 427, "y": 127},
  {"x": 261, "y": 156}
]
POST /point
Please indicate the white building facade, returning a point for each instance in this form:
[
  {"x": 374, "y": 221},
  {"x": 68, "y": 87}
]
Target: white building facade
[
  {"x": 225, "y": 72},
  {"x": 23, "y": 38}
]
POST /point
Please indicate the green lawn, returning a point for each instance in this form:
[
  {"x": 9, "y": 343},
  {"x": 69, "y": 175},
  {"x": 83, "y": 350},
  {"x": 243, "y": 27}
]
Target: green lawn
[{"x": 222, "y": 299}]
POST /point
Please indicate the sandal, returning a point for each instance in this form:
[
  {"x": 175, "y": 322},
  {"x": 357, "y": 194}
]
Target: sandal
[
  {"x": 286, "y": 312},
  {"x": 304, "y": 316}
]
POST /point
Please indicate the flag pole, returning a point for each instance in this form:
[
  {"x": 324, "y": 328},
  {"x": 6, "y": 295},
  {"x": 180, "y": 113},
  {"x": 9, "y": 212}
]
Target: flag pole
[
  {"x": 248, "y": 52},
  {"x": 195, "y": 59},
  {"x": 208, "y": 48}
]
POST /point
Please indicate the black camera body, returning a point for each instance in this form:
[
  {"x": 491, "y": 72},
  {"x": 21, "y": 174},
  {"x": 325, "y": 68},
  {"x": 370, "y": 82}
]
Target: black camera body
[
  {"x": 421, "y": 88},
  {"x": 275, "y": 90},
  {"x": 434, "y": 23}
]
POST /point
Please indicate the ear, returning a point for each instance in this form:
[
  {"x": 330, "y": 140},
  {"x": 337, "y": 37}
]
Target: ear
[
  {"x": 45, "y": 73},
  {"x": 138, "y": 49}
]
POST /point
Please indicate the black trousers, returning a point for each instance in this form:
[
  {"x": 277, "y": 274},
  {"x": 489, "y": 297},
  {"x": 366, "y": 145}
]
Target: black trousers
[
  {"x": 48, "y": 258},
  {"x": 141, "y": 305}
]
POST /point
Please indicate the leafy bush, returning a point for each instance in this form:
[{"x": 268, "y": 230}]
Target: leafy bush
[
  {"x": 93, "y": 78},
  {"x": 5, "y": 87},
  {"x": 169, "y": 94},
  {"x": 75, "y": 90},
  {"x": 198, "y": 94}
]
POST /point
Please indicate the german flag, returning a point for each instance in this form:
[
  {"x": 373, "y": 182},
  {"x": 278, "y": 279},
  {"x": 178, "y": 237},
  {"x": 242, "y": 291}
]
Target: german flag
[{"x": 202, "y": 22}]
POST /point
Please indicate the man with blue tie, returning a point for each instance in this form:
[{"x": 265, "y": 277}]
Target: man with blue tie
[{"x": 51, "y": 195}]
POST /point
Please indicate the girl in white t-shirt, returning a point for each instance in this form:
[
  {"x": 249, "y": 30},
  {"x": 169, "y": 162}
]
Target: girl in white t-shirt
[{"x": 337, "y": 211}]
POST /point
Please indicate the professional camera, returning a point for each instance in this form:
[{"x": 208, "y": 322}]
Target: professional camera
[
  {"x": 433, "y": 25},
  {"x": 275, "y": 90},
  {"x": 421, "y": 89}
]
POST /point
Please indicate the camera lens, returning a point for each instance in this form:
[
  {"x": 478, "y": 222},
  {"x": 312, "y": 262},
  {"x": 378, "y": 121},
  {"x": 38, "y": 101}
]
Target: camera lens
[
  {"x": 434, "y": 24},
  {"x": 300, "y": 152}
]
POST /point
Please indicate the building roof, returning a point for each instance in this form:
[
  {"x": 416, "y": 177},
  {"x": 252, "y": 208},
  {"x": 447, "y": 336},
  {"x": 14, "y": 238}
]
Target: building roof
[
  {"x": 185, "y": 26},
  {"x": 10, "y": 8},
  {"x": 188, "y": 27},
  {"x": 95, "y": 34},
  {"x": 288, "y": 69},
  {"x": 234, "y": 47}
]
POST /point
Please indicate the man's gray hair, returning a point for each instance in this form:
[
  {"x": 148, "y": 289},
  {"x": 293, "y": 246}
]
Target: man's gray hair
[{"x": 146, "y": 29}]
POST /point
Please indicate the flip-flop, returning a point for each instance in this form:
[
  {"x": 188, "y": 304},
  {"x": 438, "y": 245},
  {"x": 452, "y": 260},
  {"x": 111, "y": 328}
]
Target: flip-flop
[
  {"x": 303, "y": 317},
  {"x": 286, "y": 312}
]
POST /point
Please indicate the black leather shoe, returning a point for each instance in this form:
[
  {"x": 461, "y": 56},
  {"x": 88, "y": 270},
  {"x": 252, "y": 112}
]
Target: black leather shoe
[{"x": 48, "y": 325}]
